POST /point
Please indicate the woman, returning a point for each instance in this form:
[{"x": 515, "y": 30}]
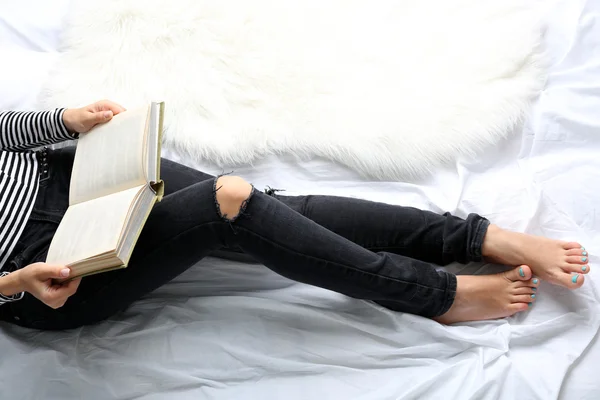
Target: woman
[{"x": 365, "y": 250}]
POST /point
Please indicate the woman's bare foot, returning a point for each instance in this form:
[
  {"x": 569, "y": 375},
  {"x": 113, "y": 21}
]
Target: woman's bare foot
[
  {"x": 491, "y": 296},
  {"x": 561, "y": 263}
]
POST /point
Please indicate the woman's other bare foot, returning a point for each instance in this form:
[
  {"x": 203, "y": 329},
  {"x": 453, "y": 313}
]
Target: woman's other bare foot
[
  {"x": 491, "y": 296},
  {"x": 561, "y": 263}
]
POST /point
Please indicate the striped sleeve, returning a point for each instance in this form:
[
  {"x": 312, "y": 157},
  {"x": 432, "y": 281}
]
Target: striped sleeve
[
  {"x": 20, "y": 130},
  {"x": 8, "y": 299}
]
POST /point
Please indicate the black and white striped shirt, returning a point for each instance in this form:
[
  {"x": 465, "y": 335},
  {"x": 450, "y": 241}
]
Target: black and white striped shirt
[{"x": 19, "y": 133}]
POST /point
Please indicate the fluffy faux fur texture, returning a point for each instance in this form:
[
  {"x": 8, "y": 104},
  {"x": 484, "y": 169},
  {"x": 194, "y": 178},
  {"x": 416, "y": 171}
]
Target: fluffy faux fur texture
[{"x": 390, "y": 88}]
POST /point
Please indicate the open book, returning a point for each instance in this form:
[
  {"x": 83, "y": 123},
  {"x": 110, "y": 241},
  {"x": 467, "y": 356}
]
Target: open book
[{"x": 114, "y": 185}]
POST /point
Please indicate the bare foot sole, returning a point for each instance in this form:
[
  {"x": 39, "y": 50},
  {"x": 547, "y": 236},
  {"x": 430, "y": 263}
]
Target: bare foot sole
[
  {"x": 561, "y": 263},
  {"x": 491, "y": 296}
]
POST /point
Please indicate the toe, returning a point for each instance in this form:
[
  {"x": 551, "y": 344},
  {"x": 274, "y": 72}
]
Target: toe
[
  {"x": 576, "y": 268},
  {"x": 570, "y": 281},
  {"x": 532, "y": 283},
  {"x": 577, "y": 260},
  {"x": 524, "y": 290},
  {"x": 577, "y": 252},
  {"x": 522, "y": 273},
  {"x": 524, "y": 298},
  {"x": 517, "y": 307},
  {"x": 572, "y": 245}
]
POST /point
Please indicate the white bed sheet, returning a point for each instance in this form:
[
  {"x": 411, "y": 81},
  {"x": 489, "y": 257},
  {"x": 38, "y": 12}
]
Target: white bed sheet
[{"x": 227, "y": 330}]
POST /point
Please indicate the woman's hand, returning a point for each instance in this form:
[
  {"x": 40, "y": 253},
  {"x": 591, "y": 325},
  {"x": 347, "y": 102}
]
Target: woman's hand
[
  {"x": 37, "y": 279},
  {"x": 81, "y": 120}
]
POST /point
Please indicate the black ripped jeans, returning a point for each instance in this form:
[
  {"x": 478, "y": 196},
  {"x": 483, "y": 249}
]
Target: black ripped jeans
[{"x": 366, "y": 250}]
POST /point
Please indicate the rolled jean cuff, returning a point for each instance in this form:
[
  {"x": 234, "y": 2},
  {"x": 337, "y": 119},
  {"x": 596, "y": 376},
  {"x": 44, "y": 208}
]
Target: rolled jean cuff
[
  {"x": 476, "y": 243},
  {"x": 449, "y": 294}
]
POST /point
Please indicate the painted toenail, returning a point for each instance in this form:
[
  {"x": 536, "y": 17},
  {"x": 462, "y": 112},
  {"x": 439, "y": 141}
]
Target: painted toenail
[
  {"x": 574, "y": 279},
  {"x": 535, "y": 281},
  {"x": 583, "y": 268},
  {"x": 529, "y": 304},
  {"x": 521, "y": 272},
  {"x": 582, "y": 248},
  {"x": 533, "y": 296},
  {"x": 584, "y": 253},
  {"x": 534, "y": 289},
  {"x": 584, "y": 259}
]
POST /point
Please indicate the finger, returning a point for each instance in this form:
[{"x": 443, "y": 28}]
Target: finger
[
  {"x": 70, "y": 285},
  {"x": 101, "y": 117},
  {"x": 56, "y": 295},
  {"x": 107, "y": 105},
  {"x": 47, "y": 271},
  {"x": 53, "y": 296},
  {"x": 70, "y": 288}
]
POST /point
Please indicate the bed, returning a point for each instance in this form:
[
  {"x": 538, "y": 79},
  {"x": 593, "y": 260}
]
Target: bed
[{"x": 228, "y": 330}]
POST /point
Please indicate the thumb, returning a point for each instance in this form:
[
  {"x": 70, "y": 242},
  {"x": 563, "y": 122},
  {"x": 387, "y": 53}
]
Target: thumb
[
  {"x": 53, "y": 272},
  {"x": 101, "y": 117}
]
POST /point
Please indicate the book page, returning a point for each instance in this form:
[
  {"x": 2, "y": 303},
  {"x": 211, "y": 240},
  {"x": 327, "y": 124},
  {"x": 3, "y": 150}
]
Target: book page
[
  {"x": 110, "y": 157},
  {"x": 92, "y": 228},
  {"x": 154, "y": 138},
  {"x": 137, "y": 220}
]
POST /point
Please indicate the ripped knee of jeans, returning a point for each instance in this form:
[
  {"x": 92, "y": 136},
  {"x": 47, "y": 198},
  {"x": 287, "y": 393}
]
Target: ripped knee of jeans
[{"x": 232, "y": 195}]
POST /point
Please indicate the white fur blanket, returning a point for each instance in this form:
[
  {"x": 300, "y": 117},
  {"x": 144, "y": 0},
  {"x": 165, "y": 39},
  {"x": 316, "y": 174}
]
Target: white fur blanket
[{"x": 390, "y": 88}]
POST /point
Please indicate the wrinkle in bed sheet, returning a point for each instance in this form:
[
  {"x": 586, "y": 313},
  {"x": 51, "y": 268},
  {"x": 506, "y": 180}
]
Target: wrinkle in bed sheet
[{"x": 226, "y": 330}]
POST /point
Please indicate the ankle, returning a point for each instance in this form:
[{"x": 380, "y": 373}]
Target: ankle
[
  {"x": 494, "y": 242},
  {"x": 465, "y": 285}
]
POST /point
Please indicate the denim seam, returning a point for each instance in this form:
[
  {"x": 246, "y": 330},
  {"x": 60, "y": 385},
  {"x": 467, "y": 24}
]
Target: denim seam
[
  {"x": 383, "y": 248},
  {"x": 341, "y": 265},
  {"x": 38, "y": 218}
]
